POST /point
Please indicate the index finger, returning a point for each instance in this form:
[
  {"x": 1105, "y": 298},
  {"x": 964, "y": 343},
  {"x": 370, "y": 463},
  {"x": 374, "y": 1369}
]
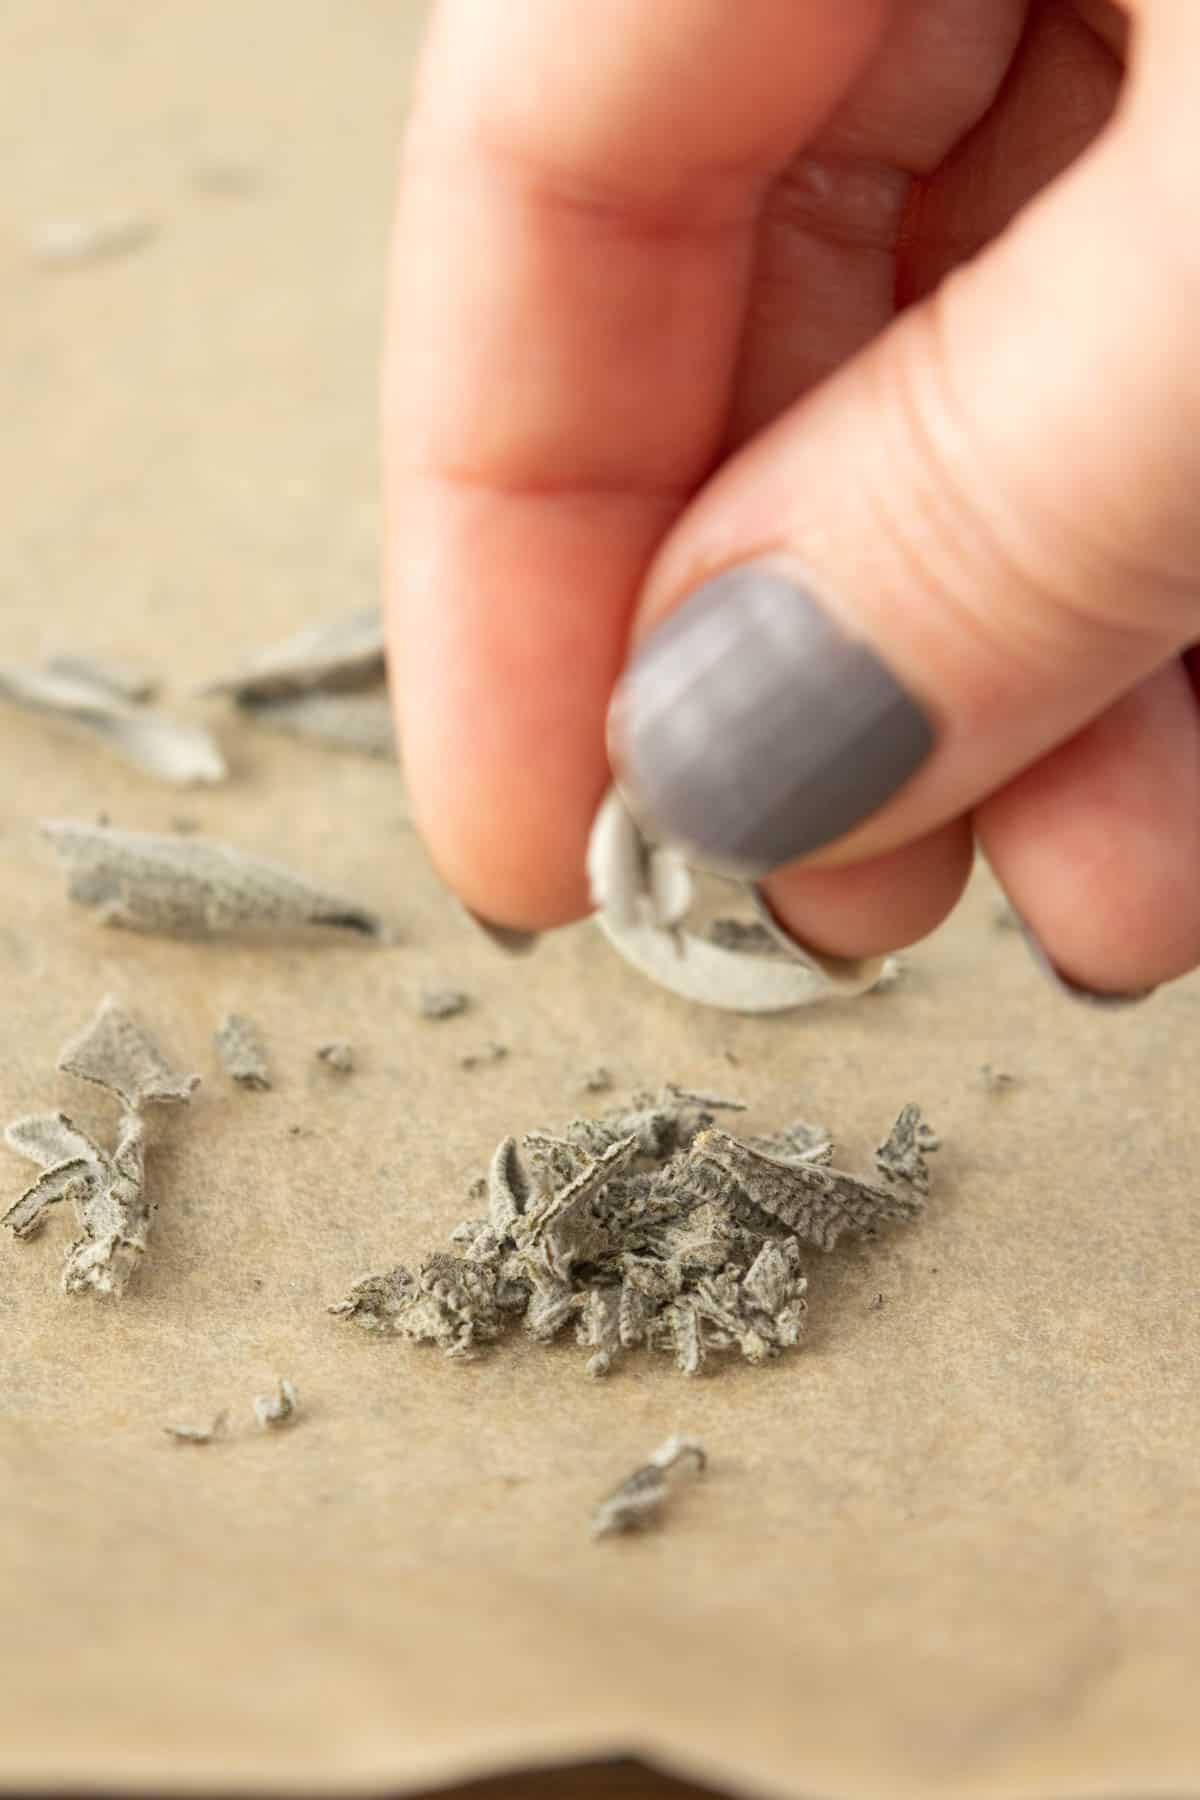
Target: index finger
[{"x": 576, "y": 228}]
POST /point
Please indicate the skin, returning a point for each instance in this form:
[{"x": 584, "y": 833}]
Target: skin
[{"x": 903, "y": 289}]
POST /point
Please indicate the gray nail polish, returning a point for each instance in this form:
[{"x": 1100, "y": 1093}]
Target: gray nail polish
[
  {"x": 751, "y": 728},
  {"x": 1085, "y": 996}
]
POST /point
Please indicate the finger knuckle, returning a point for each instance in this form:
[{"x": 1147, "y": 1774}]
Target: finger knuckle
[{"x": 1018, "y": 546}]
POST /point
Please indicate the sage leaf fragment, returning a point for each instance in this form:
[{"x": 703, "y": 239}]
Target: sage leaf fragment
[
  {"x": 114, "y": 1206},
  {"x": 325, "y": 683},
  {"x": 172, "y": 750},
  {"x": 241, "y": 1052}
]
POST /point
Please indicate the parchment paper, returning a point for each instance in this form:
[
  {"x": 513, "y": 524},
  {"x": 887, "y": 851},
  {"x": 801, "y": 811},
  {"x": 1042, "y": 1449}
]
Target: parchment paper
[{"x": 949, "y": 1548}]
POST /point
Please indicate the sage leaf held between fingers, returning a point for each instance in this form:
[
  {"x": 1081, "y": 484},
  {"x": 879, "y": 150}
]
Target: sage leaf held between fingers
[{"x": 642, "y": 893}]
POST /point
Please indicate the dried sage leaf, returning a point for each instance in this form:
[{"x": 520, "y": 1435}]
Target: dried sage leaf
[
  {"x": 172, "y": 750},
  {"x": 361, "y": 722},
  {"x": 70, "y": 1180},
  {"x": 50, "y": 1140},
  {"x": 598, "y": 1328},
  {"x": 144, "y": 881},
  {"x": 115, "y": 1216},
  {"x": 818, "y": 1203},
  {"x": 901, "y": 1156},
  {"x": 632, "y": 882},
  {"x": 114, "y": 1053},
  {"x": 240, "y": 1050},
  {"x": 114, "y": 680},
  {"x": 798, "y": 1142},
  {"x": 113, "y": 1208},
  {"x": 639, "y": 1500},
  {"x": 337, "y": 655},
  {"x": 508, "y": 1189}
]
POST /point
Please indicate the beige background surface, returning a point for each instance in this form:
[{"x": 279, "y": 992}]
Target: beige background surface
[{"x": 950, "y": 1548}]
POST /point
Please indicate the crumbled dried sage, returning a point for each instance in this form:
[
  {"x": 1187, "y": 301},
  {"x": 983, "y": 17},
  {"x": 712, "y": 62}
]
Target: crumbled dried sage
[
  {"x": 325, "y": 683},
  {"x": 337, "y": 1055},
  {"x": 649, "y": 1227}
]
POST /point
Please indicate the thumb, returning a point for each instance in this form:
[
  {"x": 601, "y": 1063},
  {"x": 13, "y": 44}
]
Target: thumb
[{"x": 951, "y": 556}]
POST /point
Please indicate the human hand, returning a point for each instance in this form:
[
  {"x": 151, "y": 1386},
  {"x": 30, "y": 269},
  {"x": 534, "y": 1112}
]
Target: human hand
[{"x": 728, "y": 288}]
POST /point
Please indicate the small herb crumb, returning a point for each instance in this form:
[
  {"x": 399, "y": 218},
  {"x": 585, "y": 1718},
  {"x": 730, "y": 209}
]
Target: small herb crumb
[
  {"x": 199, "y": 1434},
  {"x": 490, "y": 1053},
  {"x": 242, "y": 1055},
  {"x": 997, "y": 1080},
  {"x": 337, "y": 1055},
  {"x": 442, "y": 1003},
  {"x": 890, "y": 976},
  {"x": 67, "y": 243},
  {"x": 640, "y": 1498},
  {"x": 279, "y": 1408},
  {"x": 749, "y": 936},
  {"x": 597, "y": 1081}
]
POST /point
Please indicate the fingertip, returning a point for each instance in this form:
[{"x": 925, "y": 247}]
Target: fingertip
[
  {"x": 1098, "y": 845},
  {"x": 511, "y": 868},
  {"x": 882, "y": 904}
]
